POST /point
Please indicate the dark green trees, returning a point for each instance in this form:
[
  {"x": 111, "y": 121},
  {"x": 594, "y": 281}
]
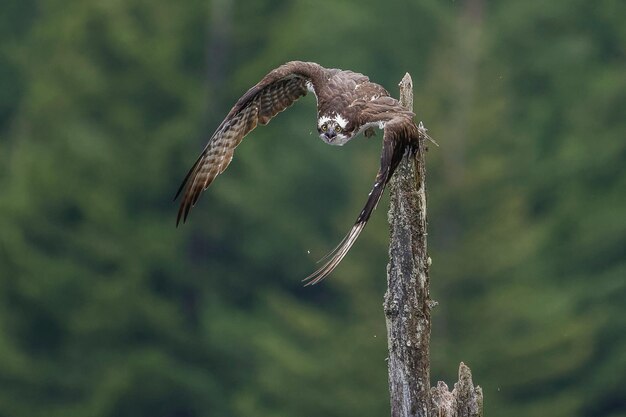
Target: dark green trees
[{"x": 106, "y": 309}]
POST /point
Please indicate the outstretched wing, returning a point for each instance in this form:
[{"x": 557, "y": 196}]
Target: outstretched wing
[
  {"x": 273, "y": 94},
  {"x": 395, "y": 140}
]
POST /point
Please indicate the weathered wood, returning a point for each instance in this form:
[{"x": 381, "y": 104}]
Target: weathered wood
[
  {"x": 407, "y": 300},
  {"x": 465, "y": 400}
]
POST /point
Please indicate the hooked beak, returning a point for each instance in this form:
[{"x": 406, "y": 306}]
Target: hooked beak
[{"x": 330, "y": 135}]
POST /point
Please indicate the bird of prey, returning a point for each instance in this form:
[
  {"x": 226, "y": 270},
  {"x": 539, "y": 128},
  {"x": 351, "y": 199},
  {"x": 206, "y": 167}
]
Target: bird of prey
[{"x": 348, "y": 103}]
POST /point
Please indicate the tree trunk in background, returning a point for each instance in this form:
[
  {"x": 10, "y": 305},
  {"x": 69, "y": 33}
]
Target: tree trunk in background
[
  {"x": 407, "y": 300},
  {"x": 219, "y": 41},
  {"x": 463, "y": 84},
  {"x": 461, "y": 78}
]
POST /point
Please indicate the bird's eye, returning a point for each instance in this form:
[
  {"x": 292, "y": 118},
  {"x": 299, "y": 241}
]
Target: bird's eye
[
  {"x": 324, "y": 127},
  {"x": 338, "y": 129}
]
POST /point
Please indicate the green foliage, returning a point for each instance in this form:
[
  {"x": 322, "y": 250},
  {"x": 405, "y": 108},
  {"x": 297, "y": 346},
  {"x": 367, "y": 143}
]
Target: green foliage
[{"x": 106, "y": 309}]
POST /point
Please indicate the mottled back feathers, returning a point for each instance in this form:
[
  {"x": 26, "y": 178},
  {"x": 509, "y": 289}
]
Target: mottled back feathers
[{"x": 345, "y": 96}]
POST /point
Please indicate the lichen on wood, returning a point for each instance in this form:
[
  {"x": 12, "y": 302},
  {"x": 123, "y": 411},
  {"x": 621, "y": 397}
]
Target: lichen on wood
[{"x": 407, "y": 302}]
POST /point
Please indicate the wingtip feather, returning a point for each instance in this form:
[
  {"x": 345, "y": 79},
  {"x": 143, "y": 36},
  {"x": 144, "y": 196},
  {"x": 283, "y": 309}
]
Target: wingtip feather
[{"x": 336, "y": 256}]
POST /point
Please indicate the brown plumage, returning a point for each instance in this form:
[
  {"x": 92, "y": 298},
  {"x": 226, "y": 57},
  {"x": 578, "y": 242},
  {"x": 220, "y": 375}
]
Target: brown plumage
[{"x": 347, "y": 104}]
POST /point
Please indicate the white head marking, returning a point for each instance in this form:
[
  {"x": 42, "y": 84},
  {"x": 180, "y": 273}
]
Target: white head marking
[
  {"x": 332, "y": 120},
  {"x": 341, "y": 121},
  {"x": 323, "y": 119},
  {"x": 337, "y": 118}
]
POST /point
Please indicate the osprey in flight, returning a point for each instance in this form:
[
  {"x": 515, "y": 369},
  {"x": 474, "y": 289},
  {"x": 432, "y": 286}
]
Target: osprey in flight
[{"x": 347, "y": 104}]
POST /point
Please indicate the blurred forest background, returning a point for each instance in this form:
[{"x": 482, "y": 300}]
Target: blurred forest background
[{"x": 107, "y": 309}]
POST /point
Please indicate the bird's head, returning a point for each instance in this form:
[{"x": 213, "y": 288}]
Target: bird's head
[{"x": 334, "y": 129}]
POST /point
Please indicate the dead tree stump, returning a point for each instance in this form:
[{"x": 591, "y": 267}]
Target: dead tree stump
[{"x": 407, "y": 302}]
